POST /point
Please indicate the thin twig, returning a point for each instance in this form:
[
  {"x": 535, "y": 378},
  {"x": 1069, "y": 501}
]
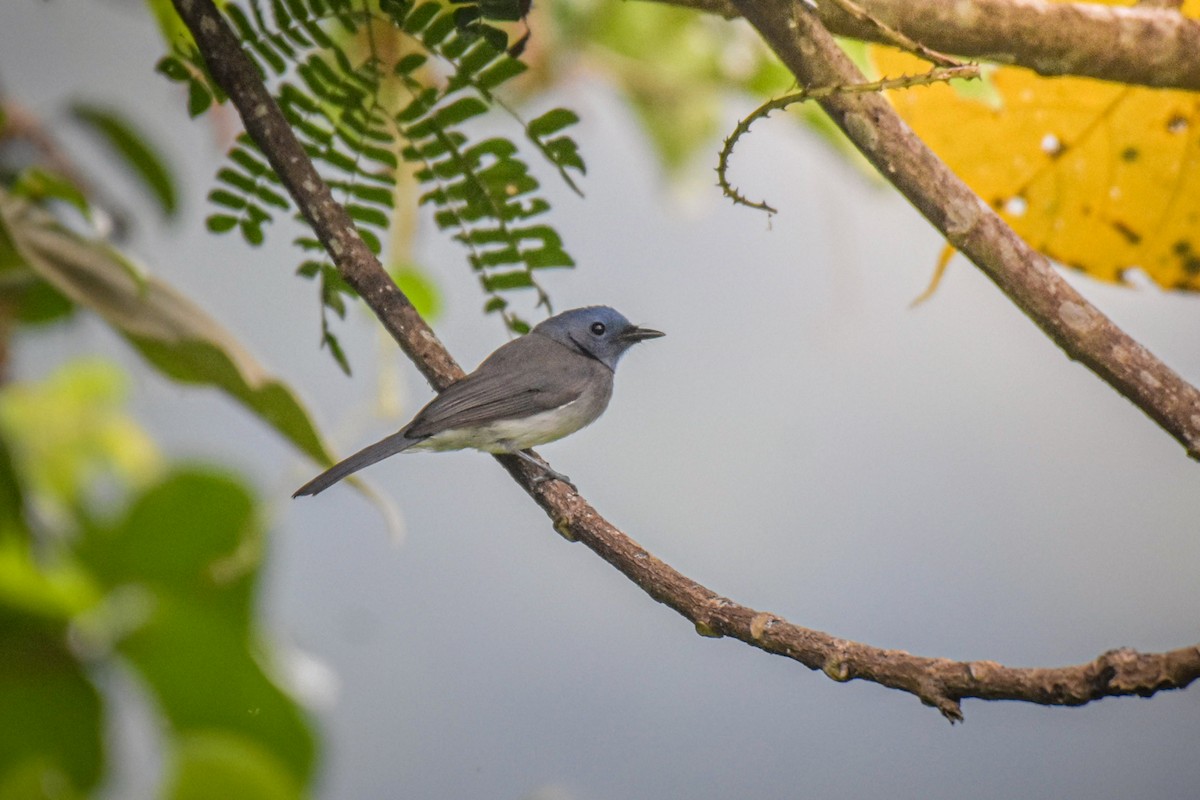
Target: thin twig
[
  {"x": 935, "y": 75},
  {"x": 892, "y": 36}
]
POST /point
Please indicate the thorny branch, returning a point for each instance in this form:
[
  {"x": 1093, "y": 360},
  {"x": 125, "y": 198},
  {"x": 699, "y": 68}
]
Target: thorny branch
[
  {"x": 957, "y": 72},
  {"x": 937, "y": 682}
]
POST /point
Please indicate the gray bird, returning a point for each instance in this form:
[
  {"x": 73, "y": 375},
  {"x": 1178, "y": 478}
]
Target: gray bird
[{"x": 541, "y": 387}]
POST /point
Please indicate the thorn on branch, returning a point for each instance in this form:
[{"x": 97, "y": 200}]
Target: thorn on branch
[{"x": 935, "y": 75}]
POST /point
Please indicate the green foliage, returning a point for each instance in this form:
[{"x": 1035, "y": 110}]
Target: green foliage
[
  {"x": 51, "y": 733},
  {"x": 187, "y": 67},
  {"x": 90, "y": 437},
  {"x": 175, "y": 336},
  {"x": 471, "y": 17},
  {"x": 40, "y": 185},
  {"x": 419, "y": 289},
  {"x": 165, "y": 588},
  {"x": 677, "y": 68},
  {"x": 133, "y": 148},
  {"x": 209, "y": 765},
  {"x": 370, "y": 121},
  {"x": 193, "y": 542}
]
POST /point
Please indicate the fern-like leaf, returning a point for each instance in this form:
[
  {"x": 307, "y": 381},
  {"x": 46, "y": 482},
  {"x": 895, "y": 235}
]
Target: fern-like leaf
[{"x": 348, "y": 110}]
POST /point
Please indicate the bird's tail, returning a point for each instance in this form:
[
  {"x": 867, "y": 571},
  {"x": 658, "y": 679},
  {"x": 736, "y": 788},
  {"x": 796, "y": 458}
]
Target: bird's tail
[{"x": 363, "y": 458}]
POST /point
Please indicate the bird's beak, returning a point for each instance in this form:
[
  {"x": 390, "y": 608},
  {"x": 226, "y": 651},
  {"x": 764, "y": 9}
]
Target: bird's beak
[{"x": 634, "y": 334}]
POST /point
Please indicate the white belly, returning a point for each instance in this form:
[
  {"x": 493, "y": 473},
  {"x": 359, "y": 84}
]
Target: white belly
[{"x": 510, "y": 435}]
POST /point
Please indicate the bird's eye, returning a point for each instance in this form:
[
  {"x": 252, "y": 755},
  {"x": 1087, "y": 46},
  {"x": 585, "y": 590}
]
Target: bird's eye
[{"x": 598, "y": 328}]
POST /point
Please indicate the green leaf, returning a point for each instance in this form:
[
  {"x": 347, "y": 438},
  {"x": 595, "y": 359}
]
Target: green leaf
[
  {"x": 552, "y": 121},
  {"x": 317, "y": 34},
  {"x": 39, "y": 185},
  {"x": 564, "y": 152},
  {"x": 456, "y": 113},
  {"x": 420, "y": 289},
  {"x": 500, "y": 281},
  {"x": 416, "y": 108},
  {"x": 505, "y": 10},
  {"x": 495, "y": 38},
  {"x": 270, "y": 197},
  {"x": 248, "y": 161},
  {"x": 396, "y": 9},
  {"x": 43, "y": 597},
  {"x": 38, "y": 303},
  {"x": 501, "y": 71},
  {"x": 170, "y": 26},
  {"x": 455, "y": 45},
  {"x": 546, "y": 257},
  {"x": 70, "y": 432},
  {"x": 419, "y": 17},
  {"x": 437, "y": 32},
  {"x": 496, "y": 258},
  {"x": 221, "y": 223},
  {"x": 213, "y": 532},
  {"x": 409, "y": 63},
  {"x": 260, "y": 44},
  {"x": 200, "y": 99},
  {"x": 213, "y": 764},
  {"x": 172, "y": 68},
  {"x": 367, "y": 215},
  {"x": 201, "y": 665},
  {"x": 51, "y": 731},
  {"x": 252, "y": 232},
  {"x": 309, "y": 269},
  {"x": 237, "y": 180},
  {"x": 12, "y": 497},
  {"x": 177, "y": 337},
  {"x": 221, "y": 197},
  {"x": 195, "y": 542},
  {"x": 371, "y": 240},
  {"x": 466, "y": 16},
  {"x": 335, "y": 349},
  {"x": 377, "y": 195},
  {"x": 130, "y": 145}
]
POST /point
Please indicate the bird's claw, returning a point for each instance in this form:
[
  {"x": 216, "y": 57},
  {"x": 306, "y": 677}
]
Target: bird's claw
[
  {"x": 548, "y": 474},
  {"x": 545, "y": 471}
]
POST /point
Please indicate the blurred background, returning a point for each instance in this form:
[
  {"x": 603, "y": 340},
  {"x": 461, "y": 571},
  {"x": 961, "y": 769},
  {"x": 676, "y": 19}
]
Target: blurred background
[{"x": 939, "y": 479}]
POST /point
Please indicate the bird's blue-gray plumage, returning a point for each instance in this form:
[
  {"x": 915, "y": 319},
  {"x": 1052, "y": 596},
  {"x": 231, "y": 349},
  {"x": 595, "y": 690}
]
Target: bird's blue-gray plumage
[{"x": 532, "y": 390}]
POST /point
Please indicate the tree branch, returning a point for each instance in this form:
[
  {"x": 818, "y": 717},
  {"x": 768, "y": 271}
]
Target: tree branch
[
  {"x": 869, "y": 121},
  {"x": 1141, "y": 45},
  {"x": 937, "y": 682}
]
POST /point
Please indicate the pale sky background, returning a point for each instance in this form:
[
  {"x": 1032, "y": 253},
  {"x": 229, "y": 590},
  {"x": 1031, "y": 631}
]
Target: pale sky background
[{"x": 941, "y": 480}]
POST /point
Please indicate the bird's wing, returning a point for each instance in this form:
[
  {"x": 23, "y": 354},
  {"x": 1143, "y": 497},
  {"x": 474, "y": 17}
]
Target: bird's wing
[{"x": 522, "y": 378}]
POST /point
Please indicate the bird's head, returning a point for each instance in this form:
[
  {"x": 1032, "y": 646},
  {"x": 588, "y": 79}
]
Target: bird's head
[{"x": 598, "y": 332}]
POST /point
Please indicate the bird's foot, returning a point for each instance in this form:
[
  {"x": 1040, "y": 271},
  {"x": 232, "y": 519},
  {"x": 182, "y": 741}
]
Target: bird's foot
[{"x": 546, "y": 472}]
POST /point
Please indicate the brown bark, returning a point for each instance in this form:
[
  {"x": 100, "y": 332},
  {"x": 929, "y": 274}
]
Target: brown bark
[{"x": 1145, "y": 45}]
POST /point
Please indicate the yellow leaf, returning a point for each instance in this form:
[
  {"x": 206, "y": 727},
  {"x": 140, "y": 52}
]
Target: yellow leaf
[{"x": 1098, "y": 176}]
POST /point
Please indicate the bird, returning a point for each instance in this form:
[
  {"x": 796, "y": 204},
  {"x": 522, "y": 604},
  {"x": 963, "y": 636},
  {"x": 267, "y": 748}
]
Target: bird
[{"x": 533, "y": 390}]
